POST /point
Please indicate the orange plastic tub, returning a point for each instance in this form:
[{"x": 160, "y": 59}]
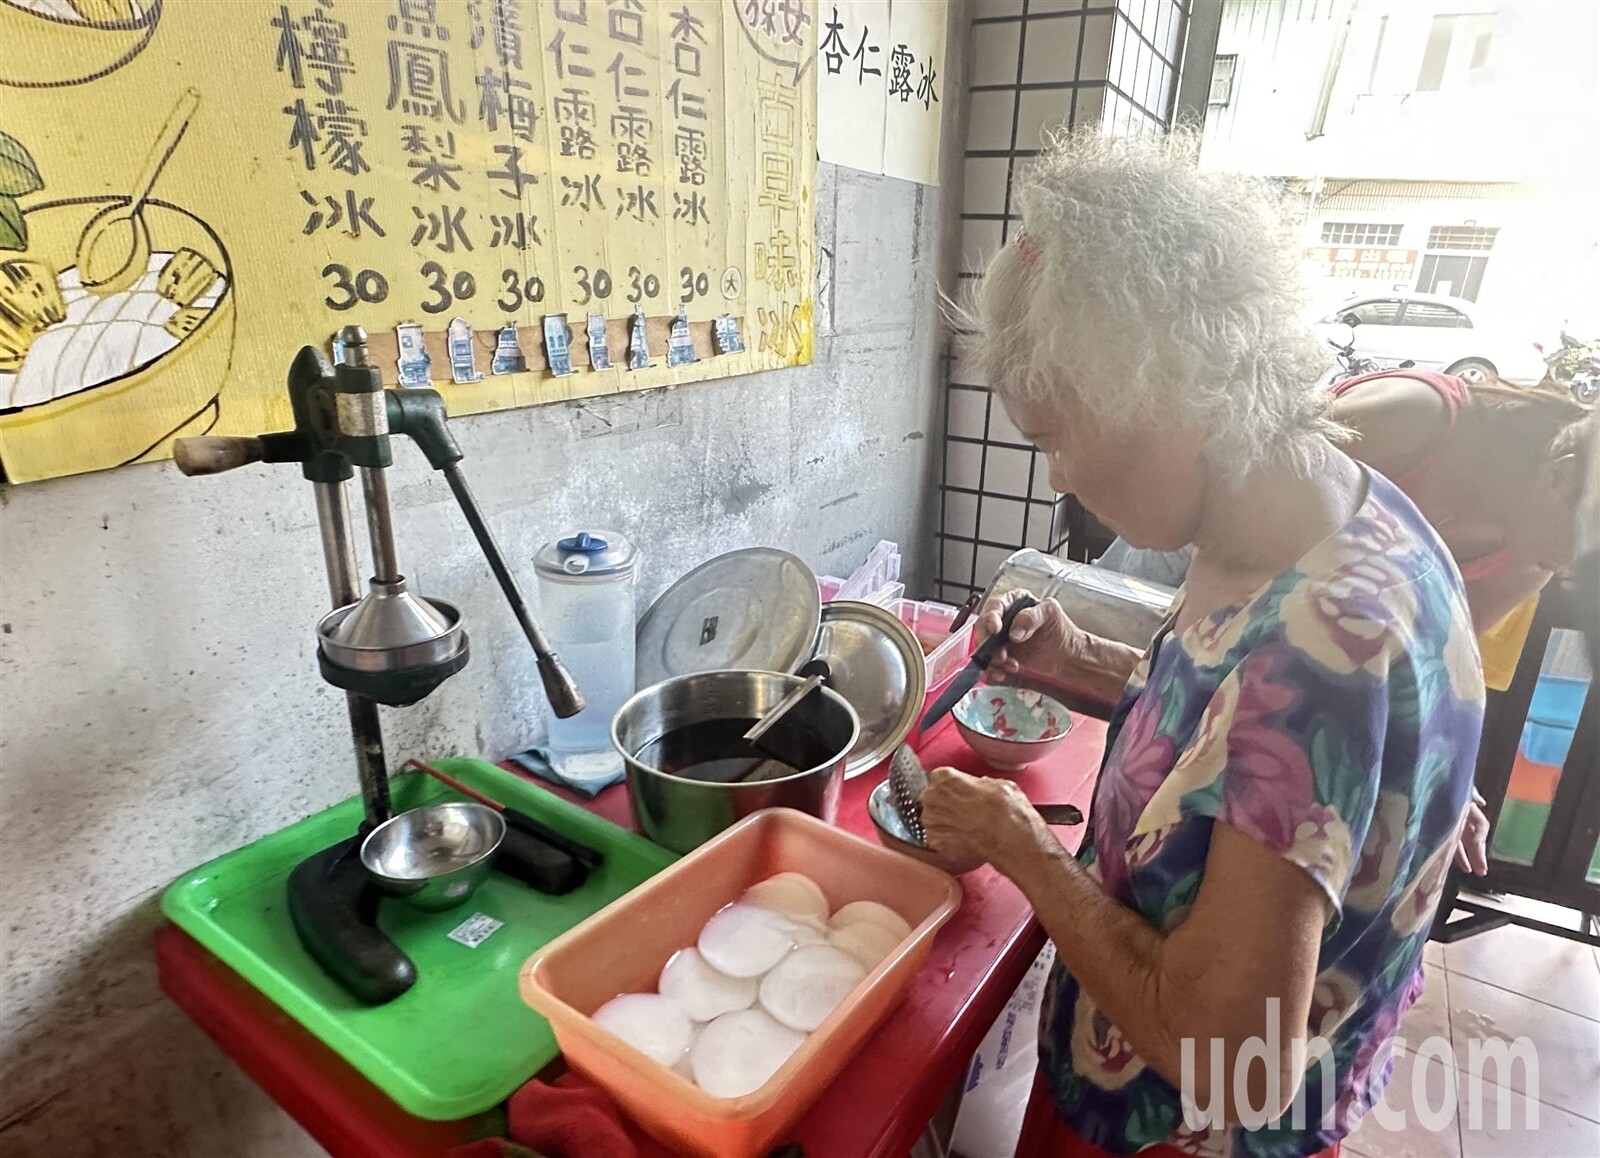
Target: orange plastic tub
[{"x": 622, "y": 948}]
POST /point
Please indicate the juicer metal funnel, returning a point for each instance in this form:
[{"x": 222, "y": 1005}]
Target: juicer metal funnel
[{"x": 393, "y": 646}]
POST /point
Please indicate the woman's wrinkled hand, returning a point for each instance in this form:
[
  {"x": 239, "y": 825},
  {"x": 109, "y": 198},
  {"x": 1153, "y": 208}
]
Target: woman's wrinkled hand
[
  {"x": 970, "y": 820},
  {"x": 1043, "y": 639},
  {"x": 1472, "y": 853}
]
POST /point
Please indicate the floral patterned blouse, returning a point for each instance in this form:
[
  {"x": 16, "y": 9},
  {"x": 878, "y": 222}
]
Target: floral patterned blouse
[{"x": 1334, "y": 717}]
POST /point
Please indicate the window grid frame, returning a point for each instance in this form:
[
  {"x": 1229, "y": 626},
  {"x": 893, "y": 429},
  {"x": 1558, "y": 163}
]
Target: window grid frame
[
  {"x": 957, "y": 578},
  {"x": 1462, "y": 238},
  {"x": 1362, "y": 233}
]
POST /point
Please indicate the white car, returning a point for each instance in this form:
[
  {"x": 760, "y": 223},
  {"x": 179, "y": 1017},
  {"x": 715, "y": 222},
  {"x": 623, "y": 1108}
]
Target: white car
[{"x": 1434, "y": 332}]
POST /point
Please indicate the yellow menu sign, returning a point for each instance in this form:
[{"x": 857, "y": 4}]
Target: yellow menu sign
[{"x": 522, "y": 201}]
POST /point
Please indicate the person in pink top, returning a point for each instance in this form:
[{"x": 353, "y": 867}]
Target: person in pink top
[{"x": 1497, "y": 470}]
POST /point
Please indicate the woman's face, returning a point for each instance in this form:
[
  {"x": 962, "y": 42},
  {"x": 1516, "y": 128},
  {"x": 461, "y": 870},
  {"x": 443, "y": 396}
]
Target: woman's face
[{"x": 1146, "y": 484}]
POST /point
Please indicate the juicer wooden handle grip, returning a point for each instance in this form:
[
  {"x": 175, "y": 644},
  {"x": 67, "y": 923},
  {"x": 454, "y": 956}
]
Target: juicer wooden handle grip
[{"x": 213, "y": 454}]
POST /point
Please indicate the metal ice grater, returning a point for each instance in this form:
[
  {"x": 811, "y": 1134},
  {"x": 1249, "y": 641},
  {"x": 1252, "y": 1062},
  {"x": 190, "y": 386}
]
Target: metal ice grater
[{"x": 907, "y": 781}]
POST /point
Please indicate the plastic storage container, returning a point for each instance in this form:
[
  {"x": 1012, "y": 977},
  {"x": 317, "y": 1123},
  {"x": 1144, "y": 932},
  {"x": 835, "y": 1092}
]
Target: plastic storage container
[
  {"x": 1546, "y": 743},
  {"x": 943, "y": 651},
  {"x": 622, "y": 948},
  {"x": 1558, "y": 701},
  {"x": 828, "y": 586},
  {"x": 586, "y": 583}
]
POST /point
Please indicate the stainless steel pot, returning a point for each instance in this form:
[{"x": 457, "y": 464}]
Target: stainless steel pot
[{"x": 682, "y": 814}]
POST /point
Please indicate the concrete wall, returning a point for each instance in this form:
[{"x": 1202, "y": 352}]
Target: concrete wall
[{"x": 159, "y": 702}]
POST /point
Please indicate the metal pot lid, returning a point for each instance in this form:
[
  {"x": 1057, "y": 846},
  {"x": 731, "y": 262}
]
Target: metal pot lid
[
  {"x": 755, "y": 610},
  {"x": 876, "y": 663},
  {"x": 586, "y": 553}
]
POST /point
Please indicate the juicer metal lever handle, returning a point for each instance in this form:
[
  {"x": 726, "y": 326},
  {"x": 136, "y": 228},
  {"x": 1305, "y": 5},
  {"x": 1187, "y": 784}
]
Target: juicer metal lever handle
[
  {"x": 559, "y": 686},
  {"x": 213, "y": 454}
]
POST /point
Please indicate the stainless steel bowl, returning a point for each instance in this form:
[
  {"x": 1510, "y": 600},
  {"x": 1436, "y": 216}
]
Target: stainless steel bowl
[
  {"x": 436, "y": 856},
  {"x": 681, "y": 814},
  {"x": 893, "y": 833}
]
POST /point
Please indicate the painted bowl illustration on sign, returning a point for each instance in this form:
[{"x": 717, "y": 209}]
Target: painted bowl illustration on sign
[
  {"x": 1011, "y": 727},
  {"x": 115, "y": 376},
  {"x": 55, "y": 43}
]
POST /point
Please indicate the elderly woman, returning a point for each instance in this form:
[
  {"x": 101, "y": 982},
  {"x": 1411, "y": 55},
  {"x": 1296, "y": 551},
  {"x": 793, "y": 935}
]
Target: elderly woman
[
  {"x": 1495, "y": 469},
  {"x": 1288, "y": 766}
]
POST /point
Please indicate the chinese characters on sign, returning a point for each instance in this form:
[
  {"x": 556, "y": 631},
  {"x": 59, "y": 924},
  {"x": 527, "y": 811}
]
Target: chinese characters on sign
[
  {"x": 913, "y": 116},
  {"x": 879, "y": 85},
  {"x": 1361, "y": 262},
  {"x": 852, "y": 82},
  {"x": 451, "y": 175}
]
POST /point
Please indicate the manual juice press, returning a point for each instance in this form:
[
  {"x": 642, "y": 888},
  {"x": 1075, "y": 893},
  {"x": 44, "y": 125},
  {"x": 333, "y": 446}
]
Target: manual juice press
[{"x": 388, "y": 646}]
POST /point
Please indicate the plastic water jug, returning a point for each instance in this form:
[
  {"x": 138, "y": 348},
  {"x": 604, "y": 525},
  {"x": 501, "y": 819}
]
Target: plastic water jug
[{"x": 586, "y": 585}]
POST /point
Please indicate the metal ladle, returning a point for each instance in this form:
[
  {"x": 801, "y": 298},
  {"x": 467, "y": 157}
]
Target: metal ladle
[
  {"x": 771, "y": 765},
  {"x": 781, "y": 709},
  {"x": 114, "y": 251}
]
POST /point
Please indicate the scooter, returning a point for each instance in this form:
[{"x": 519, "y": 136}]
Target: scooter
[
  {"x": 1564, "y": 364},
  {"x": 1351, "y": 364},
  {"x": 1585, "y": 383}
]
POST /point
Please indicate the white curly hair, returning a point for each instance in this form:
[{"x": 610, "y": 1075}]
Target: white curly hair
[{"x": 1154, "y": 290}]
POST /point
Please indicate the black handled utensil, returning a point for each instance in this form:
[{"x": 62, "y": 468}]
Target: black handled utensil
[{"x": 967, "y": 678}]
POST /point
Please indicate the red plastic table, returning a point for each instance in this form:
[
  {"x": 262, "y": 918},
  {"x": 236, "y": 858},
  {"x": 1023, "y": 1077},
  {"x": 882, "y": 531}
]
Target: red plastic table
[{"x": 875, "y": 1109}]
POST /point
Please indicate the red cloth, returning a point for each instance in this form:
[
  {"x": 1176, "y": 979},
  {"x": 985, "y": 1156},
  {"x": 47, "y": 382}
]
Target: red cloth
[
  {"x": 568, "y": 1121},
  {"x": 1044, "y": 1135}
]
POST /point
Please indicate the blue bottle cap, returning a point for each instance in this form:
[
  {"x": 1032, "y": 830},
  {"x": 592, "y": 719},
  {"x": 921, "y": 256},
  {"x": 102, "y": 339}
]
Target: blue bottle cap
[{"x": 586, "y": 553}]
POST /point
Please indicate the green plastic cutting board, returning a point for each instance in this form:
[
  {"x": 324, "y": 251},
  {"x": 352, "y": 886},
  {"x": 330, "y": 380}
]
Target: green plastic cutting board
[{"x": 461, "y": 1039}]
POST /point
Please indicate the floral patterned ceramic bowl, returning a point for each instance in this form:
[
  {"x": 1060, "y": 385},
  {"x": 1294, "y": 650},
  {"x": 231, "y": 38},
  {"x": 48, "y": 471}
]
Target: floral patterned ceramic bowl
[{"x": 1011, "y": 727}]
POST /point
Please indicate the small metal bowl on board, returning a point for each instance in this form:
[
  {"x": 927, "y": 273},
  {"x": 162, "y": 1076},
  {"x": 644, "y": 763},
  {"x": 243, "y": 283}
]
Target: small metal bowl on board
[
  {"x": 436, "y": 856},
  {"x": 892, "y": 833}
]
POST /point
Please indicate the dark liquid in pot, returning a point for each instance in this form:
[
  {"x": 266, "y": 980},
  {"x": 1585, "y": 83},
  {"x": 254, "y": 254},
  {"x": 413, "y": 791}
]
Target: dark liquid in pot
[{"x": 716, "y": 752}]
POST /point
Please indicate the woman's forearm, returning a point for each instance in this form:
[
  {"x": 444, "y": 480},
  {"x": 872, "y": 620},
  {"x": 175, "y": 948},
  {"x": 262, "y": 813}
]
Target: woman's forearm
[
  {"x": 1118, "y": 964},
  {"x": 1097, "y": 667},
  {"x": 1195, "y": 985}
]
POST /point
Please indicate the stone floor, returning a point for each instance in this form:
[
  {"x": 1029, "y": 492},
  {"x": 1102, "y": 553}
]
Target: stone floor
[{"x": 1502, "y": 985}]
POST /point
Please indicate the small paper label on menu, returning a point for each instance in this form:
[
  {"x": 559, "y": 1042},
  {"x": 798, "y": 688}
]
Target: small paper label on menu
[{"x": 475, "y": 930}]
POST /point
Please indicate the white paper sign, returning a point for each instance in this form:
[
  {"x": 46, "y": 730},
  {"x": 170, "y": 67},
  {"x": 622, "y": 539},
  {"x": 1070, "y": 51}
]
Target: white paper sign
[
  {"x": 915, "y": 89},
  {"x": 852, "y": 81}
]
